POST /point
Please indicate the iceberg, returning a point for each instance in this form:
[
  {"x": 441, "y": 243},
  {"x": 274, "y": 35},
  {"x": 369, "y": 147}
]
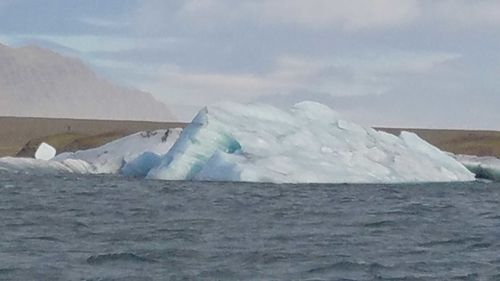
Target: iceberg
[
  {"x": 308, "y": 143},
  {"x": 484, "y": 167}
]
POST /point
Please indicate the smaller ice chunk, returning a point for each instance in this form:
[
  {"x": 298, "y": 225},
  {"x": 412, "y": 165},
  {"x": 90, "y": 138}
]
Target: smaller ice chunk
[
  {"x": 112, "y": 157},
  {"x": 40, "y": 167},
  {"x": 484, "y": 167},
  {"x": 139, "y": 152},
  {"x": 45, "y": 152}
]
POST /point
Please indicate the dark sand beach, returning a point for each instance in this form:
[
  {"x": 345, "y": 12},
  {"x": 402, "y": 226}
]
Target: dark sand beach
[{"x": 20, "y": 136}]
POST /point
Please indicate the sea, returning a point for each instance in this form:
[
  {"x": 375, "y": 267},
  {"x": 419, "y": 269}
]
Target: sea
[{"x": 74, "y": 227}]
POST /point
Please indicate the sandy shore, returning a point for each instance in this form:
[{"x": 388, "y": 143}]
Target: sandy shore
[{"x": 20, "y": 136}]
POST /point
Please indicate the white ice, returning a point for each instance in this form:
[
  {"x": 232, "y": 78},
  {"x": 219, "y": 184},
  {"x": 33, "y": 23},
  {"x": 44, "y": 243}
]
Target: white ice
[
  {"x": 309, "y": 143},
  {"x": 109, "y": 158},
  {"x": 31, "y": 165},
  {"x": 45, "y": 152},
  {"x": 483, "y": 167}
]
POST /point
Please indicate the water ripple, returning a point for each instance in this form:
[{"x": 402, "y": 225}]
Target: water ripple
[
  {"x": 109, "y": 228},
  {"x": 118, "y": 257}
]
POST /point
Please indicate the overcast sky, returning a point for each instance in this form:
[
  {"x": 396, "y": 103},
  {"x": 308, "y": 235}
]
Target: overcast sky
[{"x": 429, "y": 63}]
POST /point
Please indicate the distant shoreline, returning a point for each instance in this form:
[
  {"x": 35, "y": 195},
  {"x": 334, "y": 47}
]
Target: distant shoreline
[
  {"x": 470, "y": 142},
  {"x": 74, "y": 134},
  {"x": 16, "y": 132}
]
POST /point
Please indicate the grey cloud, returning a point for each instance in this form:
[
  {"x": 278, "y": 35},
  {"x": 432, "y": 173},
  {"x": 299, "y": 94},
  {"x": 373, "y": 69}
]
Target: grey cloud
[
  {"x": 448, "y": 96},
  {"x": 400, "y": 56}
]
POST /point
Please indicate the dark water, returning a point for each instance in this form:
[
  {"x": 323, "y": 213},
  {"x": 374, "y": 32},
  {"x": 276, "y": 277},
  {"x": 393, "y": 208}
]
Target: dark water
[{"x": 106, "y": 228}]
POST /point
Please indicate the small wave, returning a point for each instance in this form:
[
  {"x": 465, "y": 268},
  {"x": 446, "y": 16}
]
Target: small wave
[
  {"x": 479, "y": 246},
  {"x": 493, "y": 217},
  {"x": 470, "y": 276},
  {"x": 450, "y": 242},
  {"x": 347, "y": 266},
  {"x": 45, "y": 238},
  {"x": 118, "y": 257},
  {"x": 382, "y": 223},
  {"x": 79, "y": 224},
  {"x": 269, "y": 258},
  {"x": 7, "y": 270}
]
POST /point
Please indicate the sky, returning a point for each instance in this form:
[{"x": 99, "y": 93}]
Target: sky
[{"x": 428, "y": 63}]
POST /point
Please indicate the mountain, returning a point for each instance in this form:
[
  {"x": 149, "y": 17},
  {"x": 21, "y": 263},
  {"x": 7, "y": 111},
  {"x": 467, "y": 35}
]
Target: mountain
[{"x": 37, "y": 82}]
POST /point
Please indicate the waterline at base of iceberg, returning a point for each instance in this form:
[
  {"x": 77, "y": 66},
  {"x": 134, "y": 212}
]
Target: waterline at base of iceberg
[{"x": 483, "y": 167}]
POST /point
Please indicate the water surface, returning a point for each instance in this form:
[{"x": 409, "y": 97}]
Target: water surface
[{"x": 72, "y": 227}]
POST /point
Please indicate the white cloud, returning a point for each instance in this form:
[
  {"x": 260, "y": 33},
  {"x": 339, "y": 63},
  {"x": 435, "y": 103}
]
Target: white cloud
[
  {"x": 5, "y": 3},
  {"x": 156, "y": 16},
  {"x": 349, "y": 15},
  {"x": 465, "y": 12},
  {"x": 94, "y": 43},
  {"x": 105, "y": 23},
  {"x": 400, "y": 62},
  {"x": 352, "y": 76}
]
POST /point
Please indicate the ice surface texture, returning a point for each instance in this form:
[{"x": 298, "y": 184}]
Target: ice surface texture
[
  {"x": 111, "y": 157},
  {"x": 45, "y": 152},
  {"x": 483, "y": 167},
  {"x": 107, "y": 159},
  {"x": 309, "y": 143}
]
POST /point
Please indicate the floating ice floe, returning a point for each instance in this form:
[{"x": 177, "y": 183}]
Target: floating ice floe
[
  {"x": 309, "y": 143},
  {"x": 483, "y": 167}
]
